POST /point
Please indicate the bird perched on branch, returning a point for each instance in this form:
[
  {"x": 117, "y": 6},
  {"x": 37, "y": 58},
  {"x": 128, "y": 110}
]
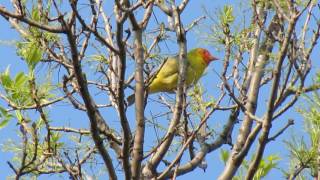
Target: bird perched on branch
[{"x": 166, "y": 78}]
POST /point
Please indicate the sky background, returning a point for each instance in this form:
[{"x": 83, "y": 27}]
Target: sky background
[{"x": 195, "y": 9}]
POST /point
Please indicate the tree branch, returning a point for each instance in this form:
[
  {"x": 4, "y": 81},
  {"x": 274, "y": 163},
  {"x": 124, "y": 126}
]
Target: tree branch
[
  {"x": 273, "y": 96},
  {"x": 30, "y": 22},
  {"x": 93, "y": 113},
  {"x": 150, "y": 168}
]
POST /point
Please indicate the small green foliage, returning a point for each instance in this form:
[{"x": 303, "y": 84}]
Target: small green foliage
[
  {"x": 317, "y": 77},
  {"x": 265, "y": 166},
  {"x": 55, "y": 140},
  {"x": 299, "y": 150},
  {"x": 40, "y": 123},
  {"x": 31, "y": 48},
  {"x": 305, "y": 151},
  {"x": 5, "y": 117},
  {"x": 19, "y": 116},
  {"x": 226, "y": 16},
  {"x": 152, "y": 56},
  {"x": 224, "y": 155},
  {"x": 5, "y": 79},
  {"x": 35, "y": 14},
  {"x": 243, "y": 39},
  {"x": 20, "y": 79},
  {"x": 230, "y": 31},
  {"x": 17, "y": 88},
  {"x": 100, "y": 58},
  {"x": 31, "y": 52},
  {"x": 198, "y": 103},
  {"x": 284, "y": 5}
]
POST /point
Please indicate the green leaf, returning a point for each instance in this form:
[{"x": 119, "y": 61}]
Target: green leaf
[
  {"x": 30, "y": 51},
  {"x": 20, "y": 79},
  {"x": 5, "y": 78},
  {"x": 34, "y": 55},
  {"x": 19, "y": 116},
  {"x": 35, "y": 15},
  {"x": 5, "y": 116},
  {"x": 4, "y": 123},
  {"x": 39, "y": 123},
  {"x": 2, "y": 111},
  {"x": 100, "y": 58},
  {"x": 224, "y": 154},
  {"x": 227, "y": 15}
]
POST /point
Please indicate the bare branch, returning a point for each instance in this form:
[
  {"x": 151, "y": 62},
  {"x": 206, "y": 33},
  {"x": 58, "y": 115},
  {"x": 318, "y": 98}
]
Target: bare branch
[
  {"x": 91, "y": 29},
  {"x": 270, "y": 108},
  {"x": 26, "y": 20},
  {"x": 92, "y": 112},
  {"x": 207, "y": 148},
  {"x": 149, "y": 169},
  {"x": 67, "y": 129},
  {"x": 188, "y": 141},
  {"x": 289, "y": 123}
]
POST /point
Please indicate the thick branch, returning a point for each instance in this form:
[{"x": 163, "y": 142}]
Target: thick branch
[
  {"x": 120, "y": 101},
  {"x": 92, "y": 111},
  {"x": 139, "y": 107},
  {"x": 239, "y": 151},
  {"x": 273, "y": 96},
  {"x": 207, "y": 148}
]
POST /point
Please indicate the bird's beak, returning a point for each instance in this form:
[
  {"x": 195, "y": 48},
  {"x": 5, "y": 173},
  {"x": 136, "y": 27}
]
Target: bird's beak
[{"x": 212, "y": 58}]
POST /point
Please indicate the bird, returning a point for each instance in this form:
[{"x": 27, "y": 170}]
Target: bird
[{"x": 166, "y": 78}]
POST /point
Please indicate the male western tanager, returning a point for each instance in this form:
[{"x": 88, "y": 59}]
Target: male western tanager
[{"x": 166, "y": 79}]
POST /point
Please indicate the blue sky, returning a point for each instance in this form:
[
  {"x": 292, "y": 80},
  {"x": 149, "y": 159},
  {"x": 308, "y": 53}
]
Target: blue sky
[{"x": 77, "y": 119}]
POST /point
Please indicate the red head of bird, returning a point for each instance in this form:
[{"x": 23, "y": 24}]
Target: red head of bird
[{"x": 206, "y": 55}]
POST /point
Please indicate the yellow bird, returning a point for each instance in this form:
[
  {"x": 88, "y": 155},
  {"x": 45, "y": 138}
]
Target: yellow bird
[{"x": 166, "y": 79}]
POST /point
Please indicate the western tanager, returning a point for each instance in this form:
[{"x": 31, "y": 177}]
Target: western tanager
[{"x": 166, "y": 79}]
